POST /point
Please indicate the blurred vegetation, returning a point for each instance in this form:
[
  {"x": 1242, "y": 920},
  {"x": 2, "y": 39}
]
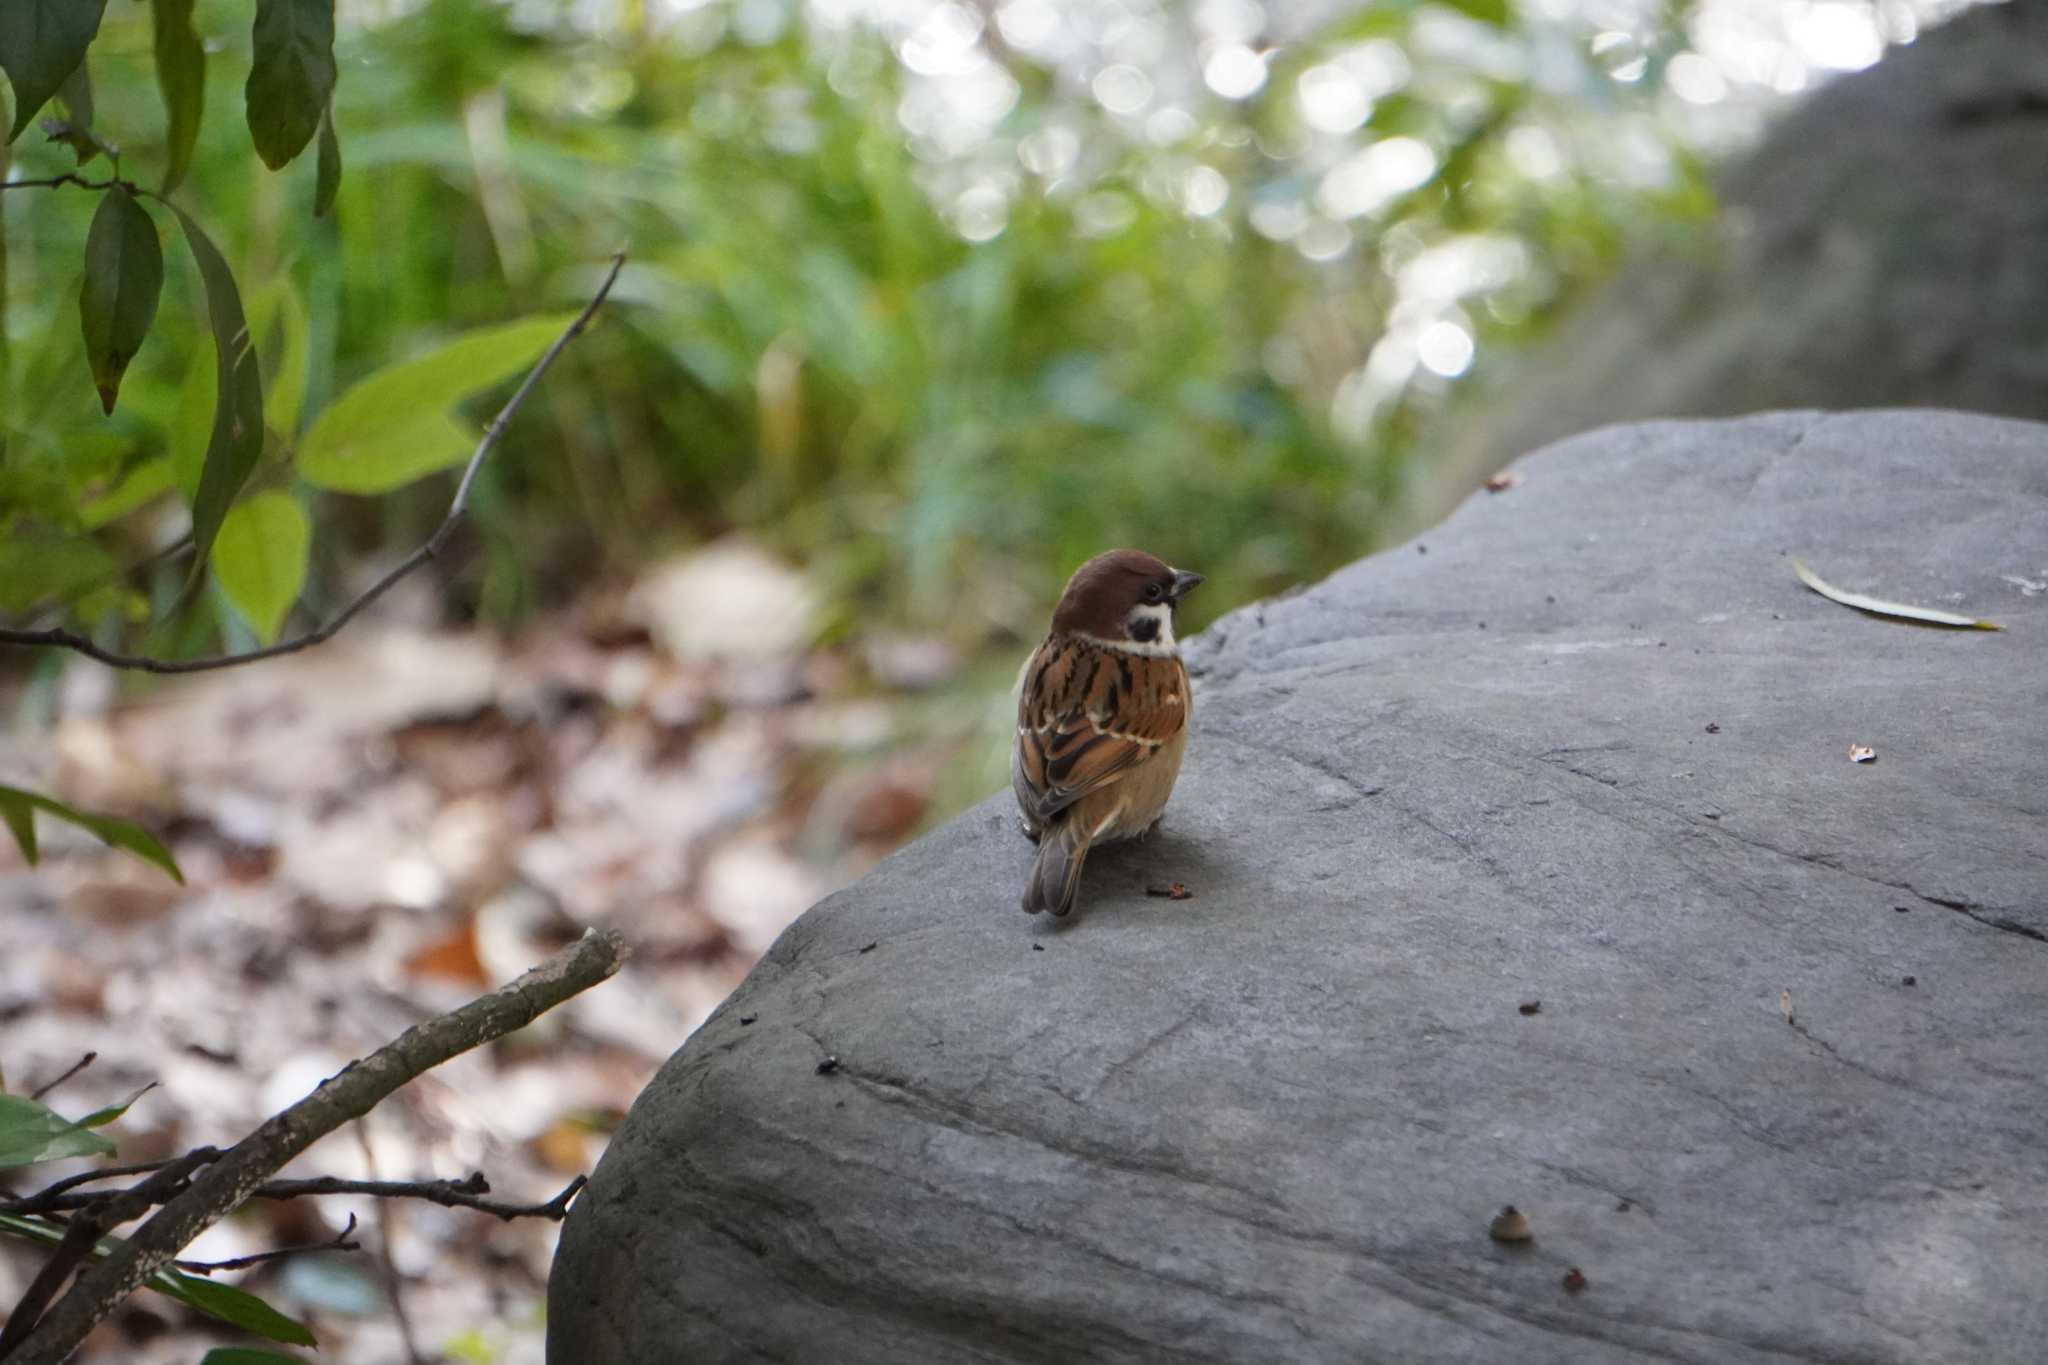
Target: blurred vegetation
[{"x": 937, "y": 352}]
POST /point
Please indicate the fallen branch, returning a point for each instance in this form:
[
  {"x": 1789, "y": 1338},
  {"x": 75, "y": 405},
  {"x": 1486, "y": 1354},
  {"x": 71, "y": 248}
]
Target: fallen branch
[
  {"x": 458, "y": 509},
  {"x": 240, "y": 1173}
]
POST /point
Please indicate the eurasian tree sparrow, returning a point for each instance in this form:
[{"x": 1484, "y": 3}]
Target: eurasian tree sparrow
[{"x": 1102, "y": 718}]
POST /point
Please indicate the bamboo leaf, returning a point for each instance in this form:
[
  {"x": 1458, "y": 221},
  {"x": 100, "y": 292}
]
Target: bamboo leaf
[
  {"x": 18, "y": 807},
  {"x": 237, "y": 1306},
  {"x": 124, "y": 278},
  {"x": 1880, "y": 607}
]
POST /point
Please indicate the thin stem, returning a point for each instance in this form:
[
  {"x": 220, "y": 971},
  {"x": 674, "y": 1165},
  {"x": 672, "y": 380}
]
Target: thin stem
[
  {"x": 339, "y": 1242},
  {"x": 52, "y": 182},
  {"x": 81, "y": 1064}
]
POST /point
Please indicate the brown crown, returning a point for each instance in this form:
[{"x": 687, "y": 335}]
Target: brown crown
[{"x": 1102, "y": 592}]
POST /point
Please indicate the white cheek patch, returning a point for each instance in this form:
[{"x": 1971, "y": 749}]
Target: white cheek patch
[{"x": 1162, "y": 644}]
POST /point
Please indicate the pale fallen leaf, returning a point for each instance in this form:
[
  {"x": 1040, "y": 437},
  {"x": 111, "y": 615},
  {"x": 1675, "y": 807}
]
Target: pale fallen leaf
[
  {"x": 1880, "y": 607},
  {"x": 1503, "y": 481},
  {"x": 1862, "y": 753},
  {"x": 1785, "y": 1004}
]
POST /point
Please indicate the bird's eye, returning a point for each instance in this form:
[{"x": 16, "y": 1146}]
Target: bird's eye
[{"x": 1153, "y": 592}]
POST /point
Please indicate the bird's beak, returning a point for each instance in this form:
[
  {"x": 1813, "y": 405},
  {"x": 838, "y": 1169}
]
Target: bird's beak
[{"x": 1183, "y": 584}]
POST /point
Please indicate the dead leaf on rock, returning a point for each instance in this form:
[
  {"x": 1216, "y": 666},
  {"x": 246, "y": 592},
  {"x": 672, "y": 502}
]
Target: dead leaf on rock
[
  {"x": 1574, "y": 1280},
  {"x": 1878, "y": 606},
  {"x": 1173, "y": 891},
  {"x": 1785, "y": 1004},
  {"x": 1503, "y": 481},
  {"x": 1862, "y": 753}
]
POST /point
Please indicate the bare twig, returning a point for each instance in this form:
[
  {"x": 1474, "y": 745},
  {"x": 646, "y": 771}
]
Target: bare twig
[
  {"x": 81, "y": 1064},
  {"x": 55, "y": 1197},
  {"x": 450, "y": 1194},
  {"x": 67, "y": 179},
  {"x": 339, "y": 1242},
  {"x": 238, "y": 1174},
  {"x": 467, "y": 1193},
  {"x": 458, "y": 509}
]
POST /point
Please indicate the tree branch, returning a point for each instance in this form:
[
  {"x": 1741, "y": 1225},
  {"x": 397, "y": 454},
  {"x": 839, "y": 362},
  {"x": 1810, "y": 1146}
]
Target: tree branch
[
  {"x": 82, "y": 1235},
  {"x": 240, "y": 1173},
  {"x": 457, "y": 509},
  {"x": 339, "y": 1242},
  {"x": 450, "y": 1194}
]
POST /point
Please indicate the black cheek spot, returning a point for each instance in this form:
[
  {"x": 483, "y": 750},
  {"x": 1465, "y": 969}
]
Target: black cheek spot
[{"x": 1144, "y": 630}]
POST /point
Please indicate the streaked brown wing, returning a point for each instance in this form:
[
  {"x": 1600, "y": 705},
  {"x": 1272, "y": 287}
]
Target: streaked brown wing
[{"x": 1087, "y": 716}]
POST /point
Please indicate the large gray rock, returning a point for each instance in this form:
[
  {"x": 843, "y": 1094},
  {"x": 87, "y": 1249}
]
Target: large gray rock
[
  {"x": 1885, "y": 246},
  {"x": 1784, "y": 1098}
]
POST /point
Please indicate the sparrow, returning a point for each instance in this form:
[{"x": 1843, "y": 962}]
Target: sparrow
[{"x": 1102, "y": 718}]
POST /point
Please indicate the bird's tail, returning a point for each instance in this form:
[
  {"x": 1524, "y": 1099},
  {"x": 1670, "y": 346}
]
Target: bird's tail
[{"x": 1056, "y": 875}]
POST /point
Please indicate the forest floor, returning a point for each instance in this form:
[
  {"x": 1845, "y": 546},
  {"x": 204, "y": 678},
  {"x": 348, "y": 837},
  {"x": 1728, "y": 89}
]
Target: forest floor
[{"x": 378, "y": 829}]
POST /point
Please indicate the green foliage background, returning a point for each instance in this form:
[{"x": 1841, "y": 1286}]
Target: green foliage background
[{"x": 804, "y": 345}]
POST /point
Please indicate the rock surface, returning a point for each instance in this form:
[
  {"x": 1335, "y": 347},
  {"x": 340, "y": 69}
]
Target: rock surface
[
  {"x": 1784, "y": 1096},
  {"x": 1880, "y": 248}
]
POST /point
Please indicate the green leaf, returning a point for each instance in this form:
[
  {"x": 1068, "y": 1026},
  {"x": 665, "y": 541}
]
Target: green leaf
[
  {"x": 291, "y": 76},
  {"x": 328, "y": 179},
  {"x": 222, "y": 1301},
  {"x": 41, "y": 43},
  {"x": 32, "y": 568},
  {"x": 124, "y": 277},
  {"x": 1493, "y": 12},
  {"x": 17, "y": 808},
  {"x": 140, "y": 484},
  {"x": 237, "y": 439},
  {"x": 395, "y": 426},
  {"x": 239, "y": 1355},
  {"x": 237, "y": 1306},
  {"x": 100, "y": 1118},
  {"x": 192, "y": 422},
  {"x": 31, "y": 1132},
  {"x": 181, "y": 76},
  {"x": 260, "y": 559},
  {"x": 1878, "y": 606}
]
